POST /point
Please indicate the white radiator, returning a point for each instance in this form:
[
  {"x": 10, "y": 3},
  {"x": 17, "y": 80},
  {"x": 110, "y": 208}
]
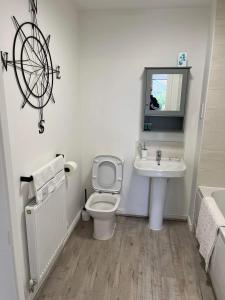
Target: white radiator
[{"x": 46, "y": 230}]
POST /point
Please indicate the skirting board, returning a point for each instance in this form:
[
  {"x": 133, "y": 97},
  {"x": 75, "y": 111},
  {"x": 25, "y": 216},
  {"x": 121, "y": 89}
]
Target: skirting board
[
  {"x": 69, "y": 231},
  {"x": 121, "y": 212},
  {"x": 72, "y": 226}
]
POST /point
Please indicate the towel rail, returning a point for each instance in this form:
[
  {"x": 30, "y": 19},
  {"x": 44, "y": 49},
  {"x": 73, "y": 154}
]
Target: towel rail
[
  {"x": 26, "y": 179},
  {"x": 30, "y": 178}
]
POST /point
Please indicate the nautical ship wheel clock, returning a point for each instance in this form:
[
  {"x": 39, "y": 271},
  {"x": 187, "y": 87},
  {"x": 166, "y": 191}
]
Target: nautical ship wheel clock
[{"x": 32, "y": 63}]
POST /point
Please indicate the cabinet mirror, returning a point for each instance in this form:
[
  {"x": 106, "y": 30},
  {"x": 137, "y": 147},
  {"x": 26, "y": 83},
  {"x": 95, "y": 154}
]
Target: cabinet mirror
[{"x": 166, "y": 91}]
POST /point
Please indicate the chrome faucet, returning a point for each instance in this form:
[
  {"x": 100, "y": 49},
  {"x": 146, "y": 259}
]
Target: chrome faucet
[{"x": 158, "y": 156}]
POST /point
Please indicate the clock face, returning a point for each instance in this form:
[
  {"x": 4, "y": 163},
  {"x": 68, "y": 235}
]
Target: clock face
[{"x": 33, "y": 65}]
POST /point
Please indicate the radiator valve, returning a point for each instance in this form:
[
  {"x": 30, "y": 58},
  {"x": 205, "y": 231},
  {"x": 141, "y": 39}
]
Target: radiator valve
[{"x": 32, "y": 284}]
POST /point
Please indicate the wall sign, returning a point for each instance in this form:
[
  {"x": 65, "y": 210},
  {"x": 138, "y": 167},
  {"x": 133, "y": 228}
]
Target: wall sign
[{"x": 32, "y": 63}]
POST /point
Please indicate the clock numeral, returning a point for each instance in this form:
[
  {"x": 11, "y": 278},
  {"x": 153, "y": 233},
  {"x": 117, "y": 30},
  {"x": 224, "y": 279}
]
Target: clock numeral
[
  {"x": 4, "y": 59},
  {"x": 33, "y": 6},
  {"x": 58, "y": 74},
  {"x": 41, "y": 126}
]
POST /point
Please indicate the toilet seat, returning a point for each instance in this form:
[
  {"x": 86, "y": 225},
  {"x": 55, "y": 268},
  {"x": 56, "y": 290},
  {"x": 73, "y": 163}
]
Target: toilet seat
[
  {"x": 107, "y": 174},
  {"x": 103, "y": 206},
  {"x": 103, "y": 202}
]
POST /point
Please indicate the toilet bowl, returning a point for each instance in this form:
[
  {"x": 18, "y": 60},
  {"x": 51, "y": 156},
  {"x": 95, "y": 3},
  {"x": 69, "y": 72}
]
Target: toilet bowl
[{"x": 107, "y": 173}]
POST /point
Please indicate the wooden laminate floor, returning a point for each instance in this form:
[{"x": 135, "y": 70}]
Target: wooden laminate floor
[{"x": 136, "y": 264}]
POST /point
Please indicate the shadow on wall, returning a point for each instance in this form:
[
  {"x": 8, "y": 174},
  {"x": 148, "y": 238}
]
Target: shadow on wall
[
  {"x": 138, "y": 191},
  {"x": 87, "y": 185},
  {"x": 143, "y": 86},
  {"x": 191, "y": 78},
  {"x": 174, "y": 207},
  {"x": 24, "y": 192}
]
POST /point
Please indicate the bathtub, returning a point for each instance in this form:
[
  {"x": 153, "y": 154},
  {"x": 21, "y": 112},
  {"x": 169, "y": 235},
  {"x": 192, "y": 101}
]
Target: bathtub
[{"x": 217, "y": 264}]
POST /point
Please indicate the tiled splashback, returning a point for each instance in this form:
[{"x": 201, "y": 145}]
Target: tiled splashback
[
  {"x": 211, "y": 169},
  {"x": 169, "y": 149}
]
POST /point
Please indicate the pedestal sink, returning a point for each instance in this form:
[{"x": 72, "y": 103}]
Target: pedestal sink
[{"x": 159, "y": 172}]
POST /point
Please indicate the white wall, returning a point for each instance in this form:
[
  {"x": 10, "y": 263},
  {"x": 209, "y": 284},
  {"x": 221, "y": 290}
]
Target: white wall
[
  {"x": 115, "y": 46},
  {"x": 62, "y": 135},
  {"x": 8, "y": 282}
]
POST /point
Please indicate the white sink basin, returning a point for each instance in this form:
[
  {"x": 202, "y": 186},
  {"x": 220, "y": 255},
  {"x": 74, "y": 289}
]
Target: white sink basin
[
  {"x": 168, "y": 168},
  {"x": 159, "y": 173}
]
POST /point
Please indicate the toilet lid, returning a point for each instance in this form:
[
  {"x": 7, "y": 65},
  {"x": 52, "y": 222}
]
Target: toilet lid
[{"x": 107, "y": 174}]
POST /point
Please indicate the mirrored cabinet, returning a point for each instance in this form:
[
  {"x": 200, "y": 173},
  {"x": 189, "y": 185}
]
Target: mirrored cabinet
[{"x": 165, "y": 98}]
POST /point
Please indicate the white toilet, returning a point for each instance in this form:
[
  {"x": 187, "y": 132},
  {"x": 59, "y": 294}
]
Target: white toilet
[{"x": 107, "y": 176}]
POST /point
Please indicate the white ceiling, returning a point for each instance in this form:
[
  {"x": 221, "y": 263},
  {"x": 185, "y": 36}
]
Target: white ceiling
[{"x": 138, "y": 4}]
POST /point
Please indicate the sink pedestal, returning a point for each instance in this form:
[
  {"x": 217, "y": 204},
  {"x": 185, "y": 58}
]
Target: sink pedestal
[
  {"x": 157, "y": 202},
  {"x": 159, "y": 174}
]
